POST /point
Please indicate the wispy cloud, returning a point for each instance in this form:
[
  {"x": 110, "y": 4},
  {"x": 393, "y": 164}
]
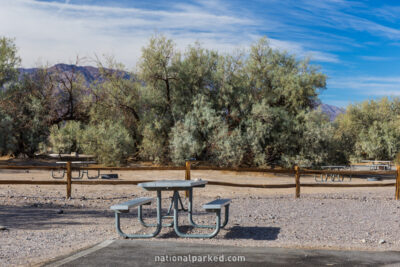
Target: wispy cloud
[
  {"x": 368, "y": 85},
  {"x": 388, "y": 13},
  {"x": 337, "y": 15},
  {"x": 298, "y": 49},
  {"x": 42, "y": 30},
  {"x": 57, "y": 31},
  {"x": 376, "y": 58}
]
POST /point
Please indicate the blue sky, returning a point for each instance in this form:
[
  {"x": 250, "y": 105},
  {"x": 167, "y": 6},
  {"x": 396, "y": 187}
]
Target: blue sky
[{"x": 356, "y": 43}]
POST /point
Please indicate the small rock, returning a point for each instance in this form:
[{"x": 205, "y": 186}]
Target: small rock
[
  {"x": 363, "y": 241},
  {"x": 60, "y": 211},
  {"x": 382, "y": 241},
  {"x": 3, "y": 228}
]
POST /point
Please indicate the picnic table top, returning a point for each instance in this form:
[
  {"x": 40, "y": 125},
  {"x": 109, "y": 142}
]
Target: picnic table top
[
  {"x": 380, "y": 161},
  {"x": 77, "y": 162},
  {"x": 337, "y": 167},
  {"x": 172, "y": 184}
]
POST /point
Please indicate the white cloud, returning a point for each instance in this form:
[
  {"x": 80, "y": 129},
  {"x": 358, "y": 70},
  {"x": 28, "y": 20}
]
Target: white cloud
[
  {"x": 376, "y": 58},
  {"x": 57, "y": 32},
  {"x": 369, "y": 85},
  {"x": 299, "y": 50}
]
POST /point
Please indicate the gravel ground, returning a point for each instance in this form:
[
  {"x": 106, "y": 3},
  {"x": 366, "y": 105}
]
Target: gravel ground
[{"x": 42, "y": 228}]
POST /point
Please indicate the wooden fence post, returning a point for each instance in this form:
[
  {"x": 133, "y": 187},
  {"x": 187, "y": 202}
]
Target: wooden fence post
[
  {"x": 397, "y": 193},
  {"x": 297, "y": 178},
  {"x": 187, "y": 175},
  {"x": 69, "y": 176}
]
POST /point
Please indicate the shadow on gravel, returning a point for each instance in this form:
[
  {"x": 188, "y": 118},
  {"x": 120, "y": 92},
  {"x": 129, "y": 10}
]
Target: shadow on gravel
[
  {"x": 171, "y": 234},
  {"x": 42, "y": 216},
  {"x": 253, "y": 232},
  {"x": 39, "y": 218}
]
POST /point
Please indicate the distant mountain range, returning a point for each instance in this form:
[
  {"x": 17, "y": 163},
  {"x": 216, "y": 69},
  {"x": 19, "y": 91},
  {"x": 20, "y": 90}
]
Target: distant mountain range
[
  {"x": 92, "y": 73},
  {"x": 89, "y": 73},
  {"x": 332, "y": 111}
]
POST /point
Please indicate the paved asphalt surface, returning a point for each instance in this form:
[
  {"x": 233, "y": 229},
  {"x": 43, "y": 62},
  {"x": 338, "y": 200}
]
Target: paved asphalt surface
[{"x": 153, "y": 253}]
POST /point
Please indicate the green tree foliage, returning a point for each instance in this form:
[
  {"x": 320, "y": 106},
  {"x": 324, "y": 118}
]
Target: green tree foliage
[
  {"x": 8, "y": 74},
  {"x": 24, "y": 115},
  {"x": 21, "y": 112},
  {"x": 69, "y": 94},
  {"x": 67, "y": 138},
  {"x": 109, "y": 141},
  {"x": 193, "y": 136},
  {"x": 157, "y": 69},
  {"x": 7, "y": 138},
  {"x": 370, "y": 130},
  {"x": 251, "y": 108},
  {"x": 8, "y": 61},
  {"x": 317, "y": 144},
  {"x": 118, "y": 96}
]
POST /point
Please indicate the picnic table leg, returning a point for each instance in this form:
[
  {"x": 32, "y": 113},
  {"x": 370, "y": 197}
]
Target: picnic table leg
[
  {"x": 142, "y": 222},
  {"x": 226, "y": 216},
  {"x": 180, "y": 234},
  {"x": 156, "y": 232},
  {"x": 172, "y": 203},
  {"x": 58, "y": 177},
  {"x": 190, "y": 208},
  {"x": 93, "y": 177},
  {"x": 190, "y": 211}
]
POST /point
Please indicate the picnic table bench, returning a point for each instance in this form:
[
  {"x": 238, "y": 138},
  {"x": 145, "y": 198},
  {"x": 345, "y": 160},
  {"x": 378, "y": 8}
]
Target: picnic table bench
[{"x": 173, "y": 185}]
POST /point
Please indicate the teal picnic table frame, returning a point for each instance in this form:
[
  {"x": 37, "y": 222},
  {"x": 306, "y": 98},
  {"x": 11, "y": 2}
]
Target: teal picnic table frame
[{"x": 175, "y": 186}]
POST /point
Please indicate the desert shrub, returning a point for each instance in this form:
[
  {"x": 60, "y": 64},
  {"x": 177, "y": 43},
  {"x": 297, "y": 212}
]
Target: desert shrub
[
  {"x": 67, "y": 138},
  {"x": 229, "y": 147},
  {"x": 153, "y": 143},
  {"x": 193, "y": 136},
  {"x": 316, "y": 143},
  {"x": 184, "y": 144},
  {"x": 381, "y": 140},
  {"x": 370, "y": 129},
  {"x": 110, "y": 142}
]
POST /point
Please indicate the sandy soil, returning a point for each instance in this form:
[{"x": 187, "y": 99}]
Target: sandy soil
[{"x": 41, "y": 224}]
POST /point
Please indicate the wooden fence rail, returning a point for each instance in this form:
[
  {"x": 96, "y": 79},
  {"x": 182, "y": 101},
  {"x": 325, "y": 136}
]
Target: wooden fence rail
[{"x": 297, "y": 172}]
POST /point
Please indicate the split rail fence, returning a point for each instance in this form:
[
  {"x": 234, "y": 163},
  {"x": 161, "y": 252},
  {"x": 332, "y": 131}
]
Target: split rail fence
[{"x": 296, "y": 172}]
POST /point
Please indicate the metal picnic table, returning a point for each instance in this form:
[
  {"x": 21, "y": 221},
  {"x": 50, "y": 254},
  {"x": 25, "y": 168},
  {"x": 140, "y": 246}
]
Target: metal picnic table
[
  {"x": 61, "y": 173},
  {"x": 176, "y": 186},
  {"x": 385, "y": 167},
  {"x": 379, "y": 164},
  {"x": 333, "y": 177}
]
